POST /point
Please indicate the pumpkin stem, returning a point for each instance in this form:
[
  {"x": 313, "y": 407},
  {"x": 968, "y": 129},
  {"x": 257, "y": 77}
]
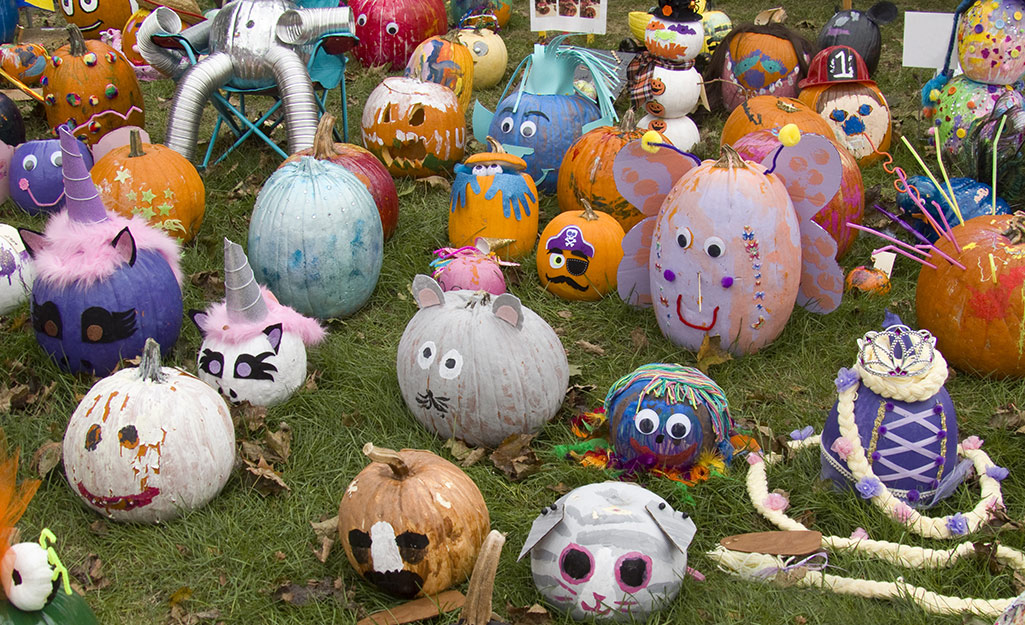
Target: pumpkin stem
[
  {"x": 494, "y": 145},
  {"x": 76, "y": 40},
  {"x": 389, "y": 457},
  {"x": 149, "y": 364},
  {"x": 730, "y": 159},
  {"x": 477, "y": 609},
  {"x": 1016, "y": 228},
  {"x": 135, "y": 145},
  {"x": 786, "y": 107},
  {"x": 628, "y": 123},
  {"x": 324, "y": 141},
  {"x": 589, "y": 214}
]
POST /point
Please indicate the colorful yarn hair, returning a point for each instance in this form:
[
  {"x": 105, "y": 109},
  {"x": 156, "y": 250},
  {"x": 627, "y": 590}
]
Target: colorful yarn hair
[
  {"x": 677, "y": 384},
  {"x": 446, "y": 255}
]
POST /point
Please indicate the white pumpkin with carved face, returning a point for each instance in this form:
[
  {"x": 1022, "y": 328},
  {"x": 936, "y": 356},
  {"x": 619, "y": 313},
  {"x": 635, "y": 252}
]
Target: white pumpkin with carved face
[
  {"x": 477, "y": 367},
  {"x": 147, "y": 443}
]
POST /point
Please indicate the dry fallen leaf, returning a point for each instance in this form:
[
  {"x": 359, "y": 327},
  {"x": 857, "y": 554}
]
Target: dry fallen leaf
[
  {"x": 527, "y": 615},
  {"x": 252, "y": 417},
  {"x": 279, "y": 443},
  {"x": 437, "y": 182},
  {"x": 210, "y": 283},
  {"x": 457, "y": 448},
  {"x": 1008, "y": 417},
  {"x": 182, "y": 594},
  {"x": 327, "y": 533},
  {"x": 311, "y": 380},
  {"x": 47, "y": 457},
  {"x": 591, "y": 348},
  {"x": 264, "y": 478},
  {"x": 280, "y": 556},
  {"x": 515, "y": 458},
  {"x": 565, "y": 314},
  {"x": 711, "y": 353},
  {"x": 98, "y": 527},
  {"x": 324, "y": 551},
  {"x": 312, "y": 591},
  {"x": 90, "y": 573},
  {"x": 639, "y": 339}
]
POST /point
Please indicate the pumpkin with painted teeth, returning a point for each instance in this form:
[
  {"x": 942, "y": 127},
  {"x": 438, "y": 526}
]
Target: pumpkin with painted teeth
[{"x": 416, "y": 128}]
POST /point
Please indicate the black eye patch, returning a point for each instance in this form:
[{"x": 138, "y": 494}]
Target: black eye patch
[
  {"x": 46, "y": 319},
  {"x": 100, "y": 325},
  {"x": 412, "y": 546},
  {"x": 359, "y": 542},
  {"x": 249, "y": 367}
]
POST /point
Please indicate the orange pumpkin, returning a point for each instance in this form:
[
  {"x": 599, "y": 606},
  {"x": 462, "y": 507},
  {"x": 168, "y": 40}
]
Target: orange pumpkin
[
  {"x": 493, "y": 197},
  {"x": 977, "y": 314},
  {"x": 586, "y": 172},
  {"x": 416, "y": 128},
  {"x": 24, "y": 61},
  {"x": 867, "y": 280},
  {"x": 154, "y": 181},
  {"x": 92, "y": 87},
  {"x": 93, "y": 17},
  {"x": 858, "y": 113},
  {"x": 578, "y": 254},
  {"x": 446, "y": 61},
  {"x": 771, "y": 113},
  {"x": 130, "y": 37}
]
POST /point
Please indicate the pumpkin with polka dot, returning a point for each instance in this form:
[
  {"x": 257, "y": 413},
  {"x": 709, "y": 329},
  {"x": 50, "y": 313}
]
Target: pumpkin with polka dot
[{"x": 92, "y": 87}]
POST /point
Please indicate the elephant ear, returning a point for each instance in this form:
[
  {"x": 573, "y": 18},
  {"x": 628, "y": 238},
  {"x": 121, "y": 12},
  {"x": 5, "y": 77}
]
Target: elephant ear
[
  {"x": 645, "y": 178},
  {"x": 633, "y": 280},
  {"x": 882, "y": 13},
  {"x": 542, "y": 526},
  {"x": 677, "y": 526},
  {"x": 427, "y": 292}
]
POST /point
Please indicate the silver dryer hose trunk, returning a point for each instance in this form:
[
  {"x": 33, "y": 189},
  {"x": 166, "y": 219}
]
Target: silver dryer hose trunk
[
  {"x": 162, "y": 20},
  {"x": 303, "y": 26},
  {"x": 297, "y": 98},
  {"x": 194, "y": 89}
]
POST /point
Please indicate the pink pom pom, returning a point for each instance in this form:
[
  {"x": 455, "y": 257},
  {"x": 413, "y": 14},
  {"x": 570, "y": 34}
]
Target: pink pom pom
[
  {"x": 842, "y": 447},
  {"x": 776, "y": 501}
]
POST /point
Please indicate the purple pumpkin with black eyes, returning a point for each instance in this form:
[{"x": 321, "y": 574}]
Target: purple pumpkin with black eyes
[
  {"x": 36, "y": 178},
  {"x": 104, "y": 283}
]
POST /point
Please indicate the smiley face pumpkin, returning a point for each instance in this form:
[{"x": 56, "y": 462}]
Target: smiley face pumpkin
[{"x": 95, "y": 16}]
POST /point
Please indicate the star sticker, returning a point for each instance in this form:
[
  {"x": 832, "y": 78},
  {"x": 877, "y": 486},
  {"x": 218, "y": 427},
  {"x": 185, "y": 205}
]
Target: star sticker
[
  {"x": 131, "y": 195},
  {"x": 123, "y": 174},
  {"x": 145, "y": 211},
  {"x": 147, "y": 196},
  {"x": 168, "y": 194},
  {"x": 165, "y": 208}
]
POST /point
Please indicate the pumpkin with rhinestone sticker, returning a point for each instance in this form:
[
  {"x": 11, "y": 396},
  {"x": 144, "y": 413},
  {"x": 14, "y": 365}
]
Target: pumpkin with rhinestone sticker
[
  {"x": 991, "y": 41},
  {"x": 148, "y": 443},
  {"x": 91, "y": 87}
]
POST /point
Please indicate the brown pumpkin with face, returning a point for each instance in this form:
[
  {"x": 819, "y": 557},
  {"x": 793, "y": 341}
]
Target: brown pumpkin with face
[{"x": 411, "y": 522}]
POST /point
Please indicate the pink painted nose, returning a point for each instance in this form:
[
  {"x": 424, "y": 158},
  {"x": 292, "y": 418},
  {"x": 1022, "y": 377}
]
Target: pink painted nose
[
  {"x": 23, "y": 184},
  {"x": 598, "y": 599}
]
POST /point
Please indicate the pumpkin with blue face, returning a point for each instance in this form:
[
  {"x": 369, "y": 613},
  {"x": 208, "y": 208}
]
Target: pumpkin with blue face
[
  {"x": 36, "y": 179},
  {"x": 665, "y": 415}
]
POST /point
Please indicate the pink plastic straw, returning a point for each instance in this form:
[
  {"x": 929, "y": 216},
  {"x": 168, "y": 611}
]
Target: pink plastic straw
[
  {"x": 889, "y": 248},
  {"x": 950, "y": 231}
]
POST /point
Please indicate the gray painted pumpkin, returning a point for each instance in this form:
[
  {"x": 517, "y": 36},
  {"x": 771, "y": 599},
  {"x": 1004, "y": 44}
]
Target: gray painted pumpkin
[{"x": 478, "y": 367}]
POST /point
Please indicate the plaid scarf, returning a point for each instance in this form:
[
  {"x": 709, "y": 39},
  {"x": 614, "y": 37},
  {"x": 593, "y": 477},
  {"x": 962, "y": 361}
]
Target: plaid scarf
[{"x": 638, "y": 76}]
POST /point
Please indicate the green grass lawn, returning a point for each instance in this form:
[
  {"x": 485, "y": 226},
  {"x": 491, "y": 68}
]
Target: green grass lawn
[{"x": 233, "y": 554}]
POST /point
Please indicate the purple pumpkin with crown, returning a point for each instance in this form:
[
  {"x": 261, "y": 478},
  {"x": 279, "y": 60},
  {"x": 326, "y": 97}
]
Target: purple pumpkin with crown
[
  {"x": 104, "y": 283},
  {"x": 895, "y": 401}
]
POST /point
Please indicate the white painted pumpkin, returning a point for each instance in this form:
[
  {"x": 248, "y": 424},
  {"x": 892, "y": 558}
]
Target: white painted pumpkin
[
  {"x": 477, "y": 367},
  {"x": 678, "y": 92},
  {"x": 682, "y": 132},
  {"x": 27, "y": 576},
  {"x": 147, "y": 443},
  {"x": 16, "y": 270}
]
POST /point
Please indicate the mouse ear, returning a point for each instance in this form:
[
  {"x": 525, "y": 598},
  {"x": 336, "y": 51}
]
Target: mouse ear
[
  {"x": 882, "y": 13},
  {"x": 677, "y": 526},
  {"x": 542, "y": 526},
  {"x": 427, "y": 292}
]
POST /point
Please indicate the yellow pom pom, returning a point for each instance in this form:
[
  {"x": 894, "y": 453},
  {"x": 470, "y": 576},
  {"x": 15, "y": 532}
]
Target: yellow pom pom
[
  {"x": 934, "y": 95},
  {"x": 790, "y": 135},
  {"x": 648, "y": 139}
]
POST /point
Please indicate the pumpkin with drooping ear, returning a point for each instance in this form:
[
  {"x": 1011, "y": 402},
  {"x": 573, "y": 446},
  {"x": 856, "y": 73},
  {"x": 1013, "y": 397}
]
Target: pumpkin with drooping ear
[
  {"x": 578, "y": 254},
  {"x": 412, "y": 523}
]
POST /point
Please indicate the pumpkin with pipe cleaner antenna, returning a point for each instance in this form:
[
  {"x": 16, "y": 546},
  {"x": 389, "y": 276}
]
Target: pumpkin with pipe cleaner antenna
[
  {"x": 490, "y": 56},
  {"x": 540, "y": 120},
  {"x": 16, "y": 270},
  {"x": 36, "y": 178},
  {"x": 456, "y": 354},
  {"x": 411, "y": 522},
  {"x": 446, "y": 61},
  {"x": 990, "y": 36},
  {"x": 389, "y": 30},
  {"x": 492, "y": 196},
  {"x": 254, "y": 349},
  {"x": 471, "y": 268},
  {"x": 578, "y": 254},
  {"x": 104, "y": 283},
  {"x": 148, "y": 443},
  {"x": 766, "y": 112},
  {"x": 859, "y": 30}
]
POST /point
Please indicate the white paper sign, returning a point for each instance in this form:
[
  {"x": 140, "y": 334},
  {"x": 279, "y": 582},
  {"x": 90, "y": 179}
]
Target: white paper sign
[
  {"x": 926, "y": 37},
  {"x": 573, "y": 16}
]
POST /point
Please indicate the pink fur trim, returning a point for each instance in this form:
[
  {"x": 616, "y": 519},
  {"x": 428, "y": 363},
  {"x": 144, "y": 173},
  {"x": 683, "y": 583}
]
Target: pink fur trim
[
  {"x": 78, "y": 252},
  {"x": 217, "y": 326}
]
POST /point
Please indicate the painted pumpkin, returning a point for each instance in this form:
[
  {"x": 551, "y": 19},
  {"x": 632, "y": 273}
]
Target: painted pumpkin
[
  {"x": 130, "y": 38},
  {"x": 389, "y": 30},
  {"x": 493, "y": 197},
  {"x": 88, "y": 316},
  {"x": 149, "y": 442},
  {"x": 612, "y": 551},
  {"x": 6, "y": 156},
  {"x": 36, "y": 179},
  {"x": 578, "y": 254},
  {"x": 24, "y": 61},
  {"x": 8, "y": 20},
  {"x": 468, "y": 11},
  {"x": 446, "y": 61},
  {"x": 961, "y": 102},
  {"x": 716, "y": 25},
  {"x": 859, "y": 30},
  {"x": 671, "y": 92},
  {"x": 672, "y": 39},
  {"x": 990, "y": 38},
  {"x": 471, "y": 268},
  {"x": 61, "y": 609},
  {"x": 92, "y": 87},
  {"x": 972, "y": 197},
  {"x": 254, "y": 349},
  {"x": 412, "y": 523},
  {"x": 155, "y": 182},
  {"x": 12, "y": 125},
  {"x": 416, "y": 128},
  {"x": 490, "y": 56},
  {"x": 360, "y": 162},
  {"x": 93, "y": 17},
  {"x": 768, "y": 112},
  {"x": 847, "y": 206},
  {"x": 16, "y": 270},
  {"x": 665, "y": 415},
  {"x": 460, "y": 339},
  {"x": 681, "y": 132},
  {"x": 758, "y": 60},
  {"x": 977, "y": 314},
  {"x": 867, "y": 280}
]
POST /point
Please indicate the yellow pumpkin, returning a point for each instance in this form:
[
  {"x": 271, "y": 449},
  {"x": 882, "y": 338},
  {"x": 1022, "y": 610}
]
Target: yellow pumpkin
[
  {"x": 578, "y": 254},
  {"x": 490, "y": 57}
]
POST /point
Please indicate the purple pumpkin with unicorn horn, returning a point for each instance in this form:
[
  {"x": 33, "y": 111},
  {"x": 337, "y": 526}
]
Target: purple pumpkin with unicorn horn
[
  {"x": 104, "y": 283},
  {"x": 254, "y": 348}
]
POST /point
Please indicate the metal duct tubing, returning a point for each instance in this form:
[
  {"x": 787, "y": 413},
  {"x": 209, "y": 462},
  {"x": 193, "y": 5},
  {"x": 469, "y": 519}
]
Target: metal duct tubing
[
  {"x": 302, "y": 26},
  {"x": 193, "y": 91},
  {"x": 163, "y": 20},
  {"x": 296, "y": 92}
]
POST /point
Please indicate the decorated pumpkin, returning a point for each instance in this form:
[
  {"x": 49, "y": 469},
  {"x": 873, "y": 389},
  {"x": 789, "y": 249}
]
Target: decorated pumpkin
[
  {"x": 87, "y": 316},
  {"x": 16, "y": 270},
  {"x": 961, "y": 102},
  {"x": 972, "y": 198},
  {"x": 411, "y": 522},
  {"x": 859, "y": 30},
  {"x": 416, "y": 128},
  {"x": 470, "y": 11},
  {"x": 36, "y": 178},
  {"x": 493, "y": 197},
  {"x": 93, "y": 17},
  {"x": 990, "y": 38},
  {"x": 130, "y": 38},
  {"x": 717, "y": 25},
  {"x": 24, "y": 61},
  {"x": 446, "y": 61},
  {"x": 458, "y": 351},
  {"x": 254, "y": 349},
  {"x": 768, "y": 112},
  {"x": 148, "y": 443},
  {"x": 92, "y": 87},
  {"x": 12, "y": 125},
  {"x": 490, "y": 56},
  {"x": 681, "y": 132},
  {"x": 757, "y": 60},
  {"x": 867, "y": 280},
  {"x": 612, "y": 551},
  {"x": 315, "y": 238},
  {"x": 155, "y": 182},
  {"x": 389, "y": 30},
  {"x": 471, "y": 267},
  {"x": 578, "y": 254},
  {"x": 666, "y": 415},
  {"x": 977, "y": 314},
  {"x": 846, "y": 206},
  {"x": 674, "y": 32}
]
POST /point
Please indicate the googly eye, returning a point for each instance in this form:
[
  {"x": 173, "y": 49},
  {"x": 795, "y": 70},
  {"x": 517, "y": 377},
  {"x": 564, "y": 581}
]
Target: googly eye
[
  {"x": 507, "y": 125},
  {"x": 392, "y": 28},
  {"x": 714, "y": 247},
  {"x": 646, "y": 421},
  {"x": 480, "y": 48},
  {"x": 89, "y": 5},
  {"x": 361, "y": 20},
  {"x": 556, "y": 261},
  {"x": 494, "y": 170},
  {"x": 451, "y": 364},
  {"x": 425, "y": 356},
  {"x": 480, "y": 170},
  {"x": 678, "y": 426},
  {"x": 528, "y": 129},
  {"x": 29, "y": 163},
  {"x": 684, "y": 238},
  {"x": 56, "y": 158}
]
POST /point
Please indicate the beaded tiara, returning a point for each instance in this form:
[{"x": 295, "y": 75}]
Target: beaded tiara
[{"x": 897, "y": 352}]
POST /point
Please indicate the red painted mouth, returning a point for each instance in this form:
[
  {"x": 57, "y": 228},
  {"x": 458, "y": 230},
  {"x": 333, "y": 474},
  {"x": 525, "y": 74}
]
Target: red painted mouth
[
  {"x": 124, "y": 502},
  {"x": 679, "y": 313},
  {"x": 675, "y": 460}
]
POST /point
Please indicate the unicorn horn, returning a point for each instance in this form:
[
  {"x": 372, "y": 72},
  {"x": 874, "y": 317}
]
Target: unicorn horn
[
  {"x": 242, "y": 293},
  {"x": 83, "y": 201}
]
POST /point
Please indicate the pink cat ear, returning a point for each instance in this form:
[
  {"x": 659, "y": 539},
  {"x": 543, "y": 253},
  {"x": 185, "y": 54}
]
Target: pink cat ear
[
  {"x": 124, "y": 243},
  {"x": 34, "y": 241}
]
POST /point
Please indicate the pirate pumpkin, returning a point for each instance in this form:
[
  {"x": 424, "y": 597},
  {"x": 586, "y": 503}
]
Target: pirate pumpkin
[{"x": 579, "y": 253}]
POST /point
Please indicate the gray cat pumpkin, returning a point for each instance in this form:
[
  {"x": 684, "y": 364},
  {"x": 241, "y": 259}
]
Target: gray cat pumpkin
[{"x": 477, "y": 367}]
